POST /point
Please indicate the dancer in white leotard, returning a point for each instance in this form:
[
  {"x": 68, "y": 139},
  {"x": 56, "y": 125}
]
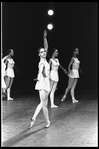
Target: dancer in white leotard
[
  {"x": 73, "y": 75},
  {"x": 43, "y": 83},
  {"x": 54, "y": 77},
  {"x": 9, "y": 73},
  {"x": 4, "y": 87}
]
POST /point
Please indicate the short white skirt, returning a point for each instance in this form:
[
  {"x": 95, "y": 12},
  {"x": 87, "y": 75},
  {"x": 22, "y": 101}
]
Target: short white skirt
[
  {"x": 43, "y": 84},
  {"x": 54, "y": 75},
  {"x": 74, "y": 73},
  {"x": 10, "y": 72}
]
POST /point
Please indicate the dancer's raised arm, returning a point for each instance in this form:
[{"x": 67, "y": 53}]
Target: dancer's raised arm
[{"x": 45, "y": 41}]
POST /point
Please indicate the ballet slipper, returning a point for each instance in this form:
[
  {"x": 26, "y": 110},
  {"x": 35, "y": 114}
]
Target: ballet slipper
[
  {"x": 48, "y": 125},
  {"x": 63, "y": 98},
  {"x": 32, "y": 122},
  {"x": 54, "y": 106},
  {"x": 74, "y": 100},
  {"x": 9, "y": 98}
]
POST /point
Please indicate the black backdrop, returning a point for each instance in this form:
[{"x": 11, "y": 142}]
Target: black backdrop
[{"x": 75, "y": 25}]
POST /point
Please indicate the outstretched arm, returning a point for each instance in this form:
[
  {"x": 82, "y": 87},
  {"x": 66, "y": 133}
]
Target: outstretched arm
[
  {"x": 65, "y": 71},
  {"x": 45, "y": 41},
  {"x": 71, "y": 62},
  {"x": 16, "y": 69},
  {"x": 80, "y": 70}
]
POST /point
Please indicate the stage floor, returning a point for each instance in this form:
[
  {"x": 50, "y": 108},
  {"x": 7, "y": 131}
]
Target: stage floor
[{"x": 72, "y": 124}]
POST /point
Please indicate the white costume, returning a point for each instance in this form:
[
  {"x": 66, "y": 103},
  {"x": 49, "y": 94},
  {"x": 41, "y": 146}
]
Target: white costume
[
  {"x": 74, "y": 72},
  {"x": 10, "y": 65},
  {"x": 43, "y": 83},
  {"x": 54, "y": 70},
  {"x": 3, "y": 73}
]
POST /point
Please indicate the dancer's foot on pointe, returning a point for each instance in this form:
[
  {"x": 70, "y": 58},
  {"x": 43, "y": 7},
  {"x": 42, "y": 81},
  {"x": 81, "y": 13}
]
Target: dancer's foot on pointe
[
  {"x": 10, "y": 98},
  {"x": 54, "y": 106},
  {"x": 48, "y": 124},
  {"x": 32, "y": 122},
  {"x": 63, "y": 98},
  {"x": 74, "y": 100}
]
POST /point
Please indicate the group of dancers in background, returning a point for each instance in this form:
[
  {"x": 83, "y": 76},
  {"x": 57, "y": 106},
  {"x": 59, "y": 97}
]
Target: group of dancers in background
[{"x": 47, "y": 78}]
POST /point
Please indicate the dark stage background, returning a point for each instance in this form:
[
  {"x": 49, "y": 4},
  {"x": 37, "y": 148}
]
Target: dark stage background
[{"x": 75, "y": 25}]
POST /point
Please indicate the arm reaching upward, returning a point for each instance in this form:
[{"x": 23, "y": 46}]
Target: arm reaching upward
[{"x": 45, "y": 41}]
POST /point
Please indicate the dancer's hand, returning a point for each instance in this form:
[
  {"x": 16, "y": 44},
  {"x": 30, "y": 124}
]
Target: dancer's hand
[
  {"x": 69, "y": 70},
  {"x": 45, "y": 33},
  {"x": 81, "y": 71},
  {"x": 35, "y": 79},
  {"x": 65, "y": 71}
]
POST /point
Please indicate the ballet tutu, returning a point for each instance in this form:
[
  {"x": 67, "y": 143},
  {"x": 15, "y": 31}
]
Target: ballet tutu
[
  {"x": 10, "y": 72},
  {"x": 74, "y": 73},
  {"x": 54, "y": 75},
  {"x": 43, "y": 84}
]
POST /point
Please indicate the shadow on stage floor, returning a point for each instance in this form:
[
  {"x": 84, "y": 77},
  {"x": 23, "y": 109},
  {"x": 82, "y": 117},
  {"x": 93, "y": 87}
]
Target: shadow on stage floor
[{"x": 72, "y": 124}]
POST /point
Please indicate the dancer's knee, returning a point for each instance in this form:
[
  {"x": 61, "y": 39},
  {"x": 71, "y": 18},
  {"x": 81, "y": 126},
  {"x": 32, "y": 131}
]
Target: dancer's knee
[
  {"x": 45, "y": 103},
  {"x": 68, "y": 88},
  {"x": 72, "y": 89}
]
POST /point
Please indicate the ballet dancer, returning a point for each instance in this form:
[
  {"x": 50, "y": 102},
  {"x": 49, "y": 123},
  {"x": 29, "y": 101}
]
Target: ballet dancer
[
  {"x": 73, "y": 75},
  {"x": 4, "y": 87},
  {"x": 9, "y": 73},
  {"x": 54, "y": 77},
  {"x": 43, "y": 83}
]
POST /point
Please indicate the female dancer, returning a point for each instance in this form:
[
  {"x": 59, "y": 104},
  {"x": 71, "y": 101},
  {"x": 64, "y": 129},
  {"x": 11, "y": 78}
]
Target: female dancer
[
  {"x": 73, "y": 75},
  {"x": 54, "y": 78},
  {"x": 9, "y": 73},
  {"x": 43, "y": 84},
  {"x": 3, "y": 78}
]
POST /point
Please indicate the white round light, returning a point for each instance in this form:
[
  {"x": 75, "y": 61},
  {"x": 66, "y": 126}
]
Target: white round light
[
  {"x": 50, "y": 26},
  {"x": 50, "y": 12}
]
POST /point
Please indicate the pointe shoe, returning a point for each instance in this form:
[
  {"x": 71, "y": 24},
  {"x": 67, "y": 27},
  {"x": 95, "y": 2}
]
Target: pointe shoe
[
  {"x": 9, "y": 98},
  {"x": 32, "y": 122},
  {"x": 63, "y": 98},
  {"x": 54, "y": 106},
  {"x": 74, "y": 100},
  {"x": 4, "y": 95},
  {"x": 48, "y": 125}
]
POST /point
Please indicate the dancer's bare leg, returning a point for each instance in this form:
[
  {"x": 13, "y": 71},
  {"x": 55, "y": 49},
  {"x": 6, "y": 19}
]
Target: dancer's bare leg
[
  {"x": 45, "y": 109},
  {"x": 9, "y": 82},
  {"x": 72, "y": 91},
  {"x": 54, "y": 85},
  {"x": 43, "y": 104},
  {"x": 70, "y": 83}
]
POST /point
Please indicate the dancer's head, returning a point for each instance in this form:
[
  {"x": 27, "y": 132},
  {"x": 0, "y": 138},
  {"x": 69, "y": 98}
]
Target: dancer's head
[
  {"x": 42, "y": 52},
  {"x": 75, "y": 51},
  {"x": 54, "y": 52},
  {"x": 10, "y": 52}
]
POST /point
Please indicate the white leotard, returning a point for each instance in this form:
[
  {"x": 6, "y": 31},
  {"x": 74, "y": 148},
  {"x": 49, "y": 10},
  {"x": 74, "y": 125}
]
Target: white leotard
[
  {"x": 9, "y": 70},
  {"x": 54, "y": 70},
  {"x": 75, "y": 66},
  {"x": 43, "y": 83}
]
